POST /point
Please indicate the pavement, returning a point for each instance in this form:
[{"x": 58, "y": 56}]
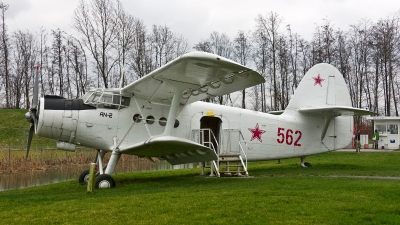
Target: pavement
[{"x": 364, "y": 150}]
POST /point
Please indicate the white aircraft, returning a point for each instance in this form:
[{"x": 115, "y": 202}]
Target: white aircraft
[{"x": 160, "y": 115}]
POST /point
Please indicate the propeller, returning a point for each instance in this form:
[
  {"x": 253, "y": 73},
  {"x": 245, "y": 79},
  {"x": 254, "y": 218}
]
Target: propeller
[{"x": 31, "y": 115}]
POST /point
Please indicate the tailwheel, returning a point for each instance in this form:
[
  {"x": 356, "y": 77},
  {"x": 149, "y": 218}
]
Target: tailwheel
[
  {"x": 305, "y": 164},
  {"x": 84, "y": 177},
  {"x": 104, "y": 181}
]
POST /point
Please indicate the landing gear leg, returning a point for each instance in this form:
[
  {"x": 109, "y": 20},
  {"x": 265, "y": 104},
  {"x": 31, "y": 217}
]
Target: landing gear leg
[
  {"x": 84, "y": 177},
  {"x": 305, "y": 164},
  {"x": 203, "y": 164},
  {"x": 104, "y": 180}
]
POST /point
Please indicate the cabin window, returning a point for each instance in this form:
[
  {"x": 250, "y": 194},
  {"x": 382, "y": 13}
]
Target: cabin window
[
  {"x": 163, "y": 121},
  {"x": 137, "y": 118},
  {"x": 150, "y": 119},
  {"x": 176, "y": 124}
]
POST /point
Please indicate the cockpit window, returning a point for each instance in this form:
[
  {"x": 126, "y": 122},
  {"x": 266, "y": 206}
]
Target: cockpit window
[
  {"x": 93, "y": 98},
  {"x": 106, "y": 99},
  {"x": 87, "y": 95}
]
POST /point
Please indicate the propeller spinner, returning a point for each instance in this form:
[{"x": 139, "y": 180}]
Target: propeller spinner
[{"x": 31, "y": 115}]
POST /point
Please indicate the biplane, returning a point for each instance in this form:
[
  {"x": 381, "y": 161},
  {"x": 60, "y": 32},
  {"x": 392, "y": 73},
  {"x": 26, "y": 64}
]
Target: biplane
[{"x": 162, "y": 116}]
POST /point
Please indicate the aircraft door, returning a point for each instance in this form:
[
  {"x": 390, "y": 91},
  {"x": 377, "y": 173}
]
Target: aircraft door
[{"x": 214, "y": 124}]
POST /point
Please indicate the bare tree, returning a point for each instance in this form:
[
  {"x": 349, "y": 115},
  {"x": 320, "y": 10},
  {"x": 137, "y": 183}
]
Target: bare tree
[
  {"x": 125, "y": 38},
  {"x": 76, "y": 57},
  {"x": 140, "y": 53},
  {"x": 295, "y": 47},
  {"x": 359, "y": 68},
  {"x": 58, "y": 50},
  {"x": 5, "y": 53},
  {"x": 267, "y": 27},
  {"x": 163, "y": 43},
  {"x": 43, "y": 60},
  {"x": 386, "y": 41},
  {"x": 97, "y": 23},
  {"x": 24, "y": 57},
  {"x": 242, "y": 53},
  {"x": 181, "y": 45},
  {"x": 203, "y": 45},
  {"x": 261, "y": 56},
  {"x": 284, "y": 72}
]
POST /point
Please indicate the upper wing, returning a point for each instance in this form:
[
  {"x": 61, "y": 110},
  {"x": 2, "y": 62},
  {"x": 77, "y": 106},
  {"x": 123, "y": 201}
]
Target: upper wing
[
  {"x": 173, "y": 149},
  {"x": 200, "y": 74},
  {"x": 337, "y": 111}
]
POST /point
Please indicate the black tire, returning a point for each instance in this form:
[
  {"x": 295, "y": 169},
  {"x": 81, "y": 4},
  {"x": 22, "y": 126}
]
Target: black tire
[
  {"x": 104, "y": 181},
  {"x": 84, "y": 177},
  {"x": 307, "y": 164}
]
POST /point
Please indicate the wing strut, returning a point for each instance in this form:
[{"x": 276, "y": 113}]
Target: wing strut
[
  {"x": 173, "y": 110},
  {"x": 141, "y": 114}
]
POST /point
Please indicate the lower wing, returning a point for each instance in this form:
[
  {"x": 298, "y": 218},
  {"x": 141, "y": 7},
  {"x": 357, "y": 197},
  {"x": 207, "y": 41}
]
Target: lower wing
[{"x": 173, "y": 149}]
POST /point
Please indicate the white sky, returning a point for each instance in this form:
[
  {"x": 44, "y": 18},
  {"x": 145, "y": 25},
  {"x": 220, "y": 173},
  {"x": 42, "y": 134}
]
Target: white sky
[{"x": 195, "y": 20}]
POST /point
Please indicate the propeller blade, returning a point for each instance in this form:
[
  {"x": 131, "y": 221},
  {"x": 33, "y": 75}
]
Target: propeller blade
[
  {"x": 35, "y": 97},
  {"x": 31, "y": 130}
]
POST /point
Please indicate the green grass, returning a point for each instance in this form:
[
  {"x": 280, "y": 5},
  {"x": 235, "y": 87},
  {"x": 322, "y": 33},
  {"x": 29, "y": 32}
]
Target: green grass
[
  {"x": 14, "y": 130},
  {"x": 274, "y": 194}
]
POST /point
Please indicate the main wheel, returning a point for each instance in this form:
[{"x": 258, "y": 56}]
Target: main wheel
[
  {"x": 306, "y": 164},
  {"x": 84, "y": 177},
  {"x": 104, "y": 181}
]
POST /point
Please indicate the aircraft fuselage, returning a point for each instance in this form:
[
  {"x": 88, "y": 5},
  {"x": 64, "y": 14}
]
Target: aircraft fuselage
[{"x": 267, "y": 136}]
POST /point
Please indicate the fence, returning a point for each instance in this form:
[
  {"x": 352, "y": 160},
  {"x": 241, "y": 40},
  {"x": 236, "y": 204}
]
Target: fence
[{"x": 13, "y": 159}]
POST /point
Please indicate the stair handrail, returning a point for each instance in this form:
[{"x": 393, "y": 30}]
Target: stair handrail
[
  {"x": 211, "y": 144},
  {"x": 241, "y": 148}
]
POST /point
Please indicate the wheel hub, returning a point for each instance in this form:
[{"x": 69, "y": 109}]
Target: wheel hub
[{"x": 104, "y": 184}]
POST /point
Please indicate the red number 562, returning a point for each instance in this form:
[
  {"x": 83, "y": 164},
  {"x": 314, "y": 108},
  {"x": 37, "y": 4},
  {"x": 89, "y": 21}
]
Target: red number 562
[{"x": 287, "y": 136}]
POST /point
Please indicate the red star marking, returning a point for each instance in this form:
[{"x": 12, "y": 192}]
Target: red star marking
[
  {"x": 318, "y": 80},
  {"x": 256, "y": 133}
]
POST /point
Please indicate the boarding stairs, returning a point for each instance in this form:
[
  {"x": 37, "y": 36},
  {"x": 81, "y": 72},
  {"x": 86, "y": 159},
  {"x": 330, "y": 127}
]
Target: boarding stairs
[{"x": 232, "y": 159}]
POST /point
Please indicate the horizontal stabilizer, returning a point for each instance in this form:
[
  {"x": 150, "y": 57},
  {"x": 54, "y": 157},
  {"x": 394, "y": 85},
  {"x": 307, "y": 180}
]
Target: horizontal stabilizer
[
  {"x": 173, "y": 149},
  {"x": 331, "y": 112},
  {"x": 336, "y": 111}
]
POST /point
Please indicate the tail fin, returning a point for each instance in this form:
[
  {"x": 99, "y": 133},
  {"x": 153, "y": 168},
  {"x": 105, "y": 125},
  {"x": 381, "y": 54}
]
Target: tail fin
[
  {"x": 324, "y": 98},
  {"x": 322, "y": 86}
]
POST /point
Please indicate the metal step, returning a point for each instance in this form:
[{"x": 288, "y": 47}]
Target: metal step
[
  {"x": 229, "y": 160},
  {"x": 230, "y": 166},
  {"x": 240, "y": 171},
  {"x": 229, "y": 155}
]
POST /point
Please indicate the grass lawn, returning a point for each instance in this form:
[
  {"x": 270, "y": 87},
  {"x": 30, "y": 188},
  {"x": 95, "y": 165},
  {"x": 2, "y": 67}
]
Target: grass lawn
[
  {"x": 14, "y": 131},
  {"x": 331, "y": 192}
]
